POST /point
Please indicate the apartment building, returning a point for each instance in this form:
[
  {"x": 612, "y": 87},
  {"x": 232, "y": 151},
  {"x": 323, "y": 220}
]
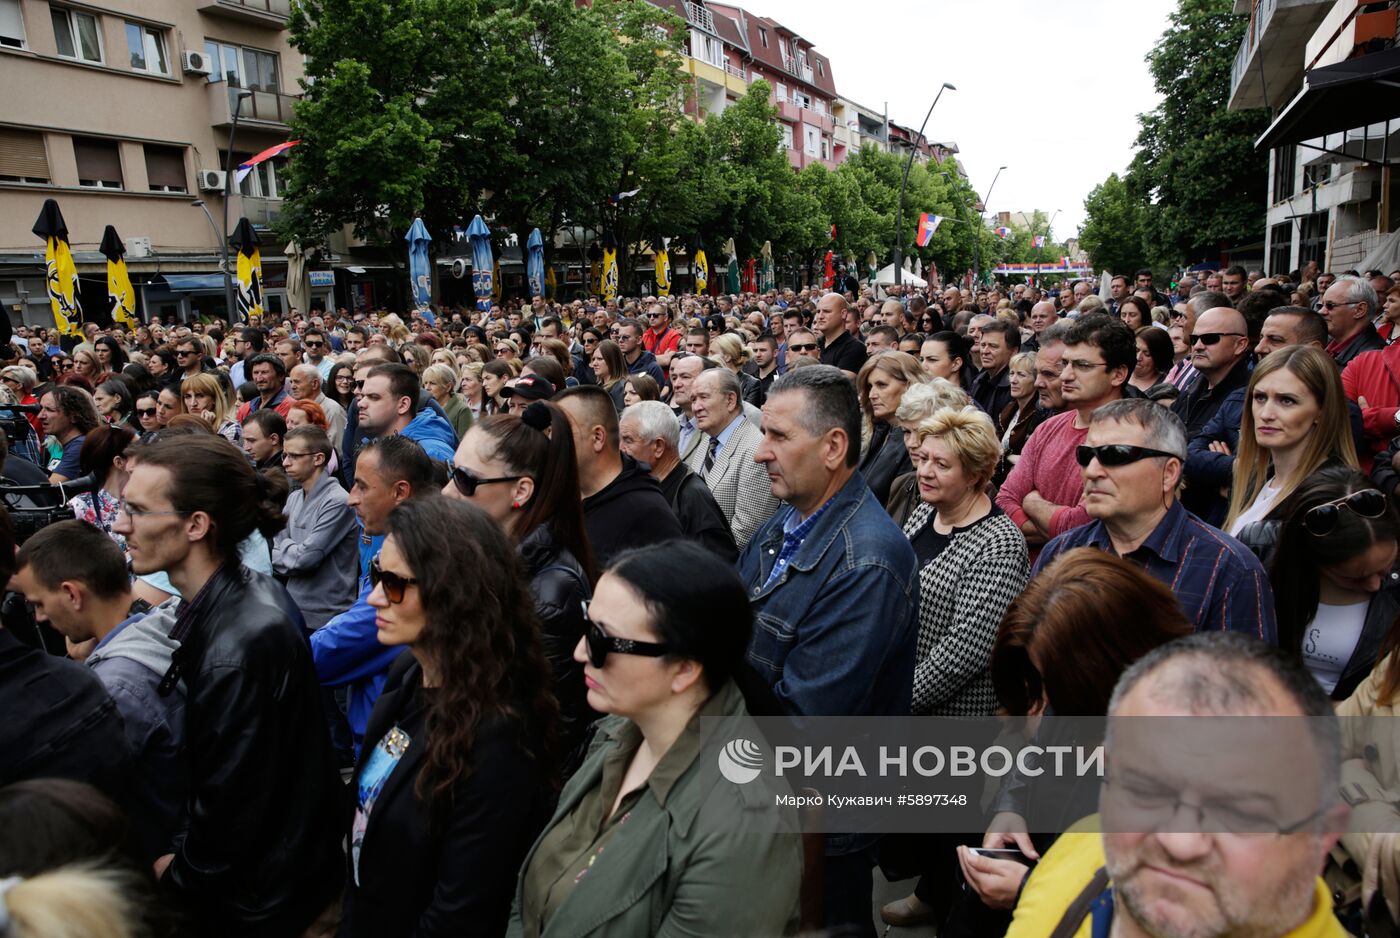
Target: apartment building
[
  {"x": 856, "y": 126},
  {"x": 1323, "y": 67},
  {"x": 122, "y": 112}
]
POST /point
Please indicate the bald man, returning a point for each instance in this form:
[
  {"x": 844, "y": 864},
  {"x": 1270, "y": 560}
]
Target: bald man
[
  {"x": 1220, "y": 353},
  {"x": 839, "y": 347}
]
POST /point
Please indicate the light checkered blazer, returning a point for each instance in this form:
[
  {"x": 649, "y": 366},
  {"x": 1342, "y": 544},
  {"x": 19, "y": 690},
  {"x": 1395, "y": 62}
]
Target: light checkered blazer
[{"x": 739, "y": 484}]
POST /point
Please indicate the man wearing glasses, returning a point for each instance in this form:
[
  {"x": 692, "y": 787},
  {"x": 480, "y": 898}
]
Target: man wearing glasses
[
  {"x": 1349, "y": 305},
  {"x": 189, "y": 353},
  {"x": 1220, "y": 350},
  {"x": 316, "y": 553},
  {"x": 660, "y": 339},
  {"x": 1132, "y": 457},
  {"x": 315, "y": 342}
]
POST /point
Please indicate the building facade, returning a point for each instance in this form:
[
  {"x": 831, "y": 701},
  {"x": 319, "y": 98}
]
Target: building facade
[{"x": 122, "y": 113}]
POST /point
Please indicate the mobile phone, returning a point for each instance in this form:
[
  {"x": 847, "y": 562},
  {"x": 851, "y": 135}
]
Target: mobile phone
[{"x": 1003, "y": 853}]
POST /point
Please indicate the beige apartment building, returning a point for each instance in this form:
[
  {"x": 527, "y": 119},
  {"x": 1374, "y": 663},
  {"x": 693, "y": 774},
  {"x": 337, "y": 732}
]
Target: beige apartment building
[{"x": 121, "y": 112}]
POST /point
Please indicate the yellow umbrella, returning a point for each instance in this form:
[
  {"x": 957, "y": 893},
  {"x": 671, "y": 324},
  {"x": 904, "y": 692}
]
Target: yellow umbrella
[
  {"x": 700, "y": 264},
  {"x": 121, "y": 298},
  {"x": 249, "y": 271},
  {"x": 610, "y": 276},
  {"x": 60, "y": 272},
  {"x": 663, "y": 268}
]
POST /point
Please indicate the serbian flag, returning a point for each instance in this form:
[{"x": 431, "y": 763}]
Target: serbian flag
[
  {"x": 1003, "y": 232},
  {"x": 829, "y": 271},
  {"x": 928, "y": 224},
  {"x": 245, "y": 168},
  {"x": 617, "y": 197},
  {"x": 1039, "y": 241}
]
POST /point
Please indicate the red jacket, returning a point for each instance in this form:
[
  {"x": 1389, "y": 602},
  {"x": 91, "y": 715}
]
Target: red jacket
[{"x": 1376, "y": 377}]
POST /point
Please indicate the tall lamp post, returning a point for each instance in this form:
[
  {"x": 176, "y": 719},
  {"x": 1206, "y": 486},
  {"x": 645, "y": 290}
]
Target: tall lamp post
[
  {"x": 977, "y": 235},
  {"x": 1048, "y": 225},
  {"x": 899, "y": 212},
  {"x": 238, "y": 100}
]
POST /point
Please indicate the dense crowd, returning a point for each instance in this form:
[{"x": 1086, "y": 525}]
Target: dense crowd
[{"x": 591, "y": 524}]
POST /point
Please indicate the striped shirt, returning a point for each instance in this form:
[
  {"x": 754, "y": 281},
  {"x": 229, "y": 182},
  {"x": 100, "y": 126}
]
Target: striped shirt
[{"x": 1219, "y": 584}]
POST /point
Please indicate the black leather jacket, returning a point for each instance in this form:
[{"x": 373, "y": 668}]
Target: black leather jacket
[
  {"x": 258, "y": 846},
  {"x": 884, "y": 459},
  {"x": 560, "y": 587}
]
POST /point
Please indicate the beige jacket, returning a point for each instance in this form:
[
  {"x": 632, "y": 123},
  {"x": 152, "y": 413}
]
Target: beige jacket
[{"x": 1371, "y": 785}]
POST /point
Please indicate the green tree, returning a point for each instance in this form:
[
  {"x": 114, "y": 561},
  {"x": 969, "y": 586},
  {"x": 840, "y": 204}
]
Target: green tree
[
  {"x": 1196, "y": 169},
  {"x": 1112, "y": 230}
]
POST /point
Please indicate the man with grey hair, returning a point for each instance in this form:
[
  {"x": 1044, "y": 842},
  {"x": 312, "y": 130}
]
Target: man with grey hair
[
  {"x": 725, "y": 459},
  {"x": 650, "y": 434},
  {"x": 305, "y": 385},
  {"x": 1131, "y": 460},
  {"x": 1262, "y": 809},
  {"x": 1349, "y": 305},
  {"x": 834, "y": 589}
]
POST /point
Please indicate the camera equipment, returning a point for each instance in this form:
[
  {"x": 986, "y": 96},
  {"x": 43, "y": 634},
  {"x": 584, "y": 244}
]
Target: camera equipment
[
  {"x": 16, "y": 424},
  {"x": 33, "y": 507}
]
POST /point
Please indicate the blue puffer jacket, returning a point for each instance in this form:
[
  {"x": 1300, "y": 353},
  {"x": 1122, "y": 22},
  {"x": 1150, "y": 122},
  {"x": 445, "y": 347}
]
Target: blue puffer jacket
[{"x": 434, "y": 434}]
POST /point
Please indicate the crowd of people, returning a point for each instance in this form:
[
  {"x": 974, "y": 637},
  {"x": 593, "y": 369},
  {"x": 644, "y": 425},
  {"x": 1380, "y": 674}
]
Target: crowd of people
[{"x": 379, "y": 625}]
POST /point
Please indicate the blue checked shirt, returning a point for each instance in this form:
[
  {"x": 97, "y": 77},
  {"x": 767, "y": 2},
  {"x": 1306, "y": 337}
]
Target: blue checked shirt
[{"x": 795, "y": 531}]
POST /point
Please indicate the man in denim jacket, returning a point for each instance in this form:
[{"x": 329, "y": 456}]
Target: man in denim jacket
[{"x": 834, "y": 588}]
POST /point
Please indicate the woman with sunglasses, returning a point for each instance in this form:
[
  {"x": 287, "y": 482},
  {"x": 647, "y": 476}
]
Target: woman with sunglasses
[
  {"x": 521, "y": 470},
  {"x": 456, "y": 770},
  {"x": 506, "y": 349},
  {"x": 620, "y": 856},
  {"x": 1336, "y": 588},
  {"x": 147, "y": 409}
]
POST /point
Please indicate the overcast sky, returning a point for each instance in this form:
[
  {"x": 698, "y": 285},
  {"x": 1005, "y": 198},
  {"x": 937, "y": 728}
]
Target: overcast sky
[{"x": 1072, "y": 75}]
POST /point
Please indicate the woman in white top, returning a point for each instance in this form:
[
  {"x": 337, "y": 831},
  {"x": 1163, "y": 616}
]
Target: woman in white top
[{"x": 1295, "y": 421}]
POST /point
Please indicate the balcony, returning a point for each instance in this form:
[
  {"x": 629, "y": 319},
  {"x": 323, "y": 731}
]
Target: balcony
[
  {"x": 1270, "y": 59},
  {"x": 264, "y": 12},
  {"x": 268, "y": 109},
  {"x": 261, "y": 212},
  {"x": 735, "y": 71},
  {"x": 1344, "y": 29},
  {"x": 699, "y": 16},
  {"x": 797, "y": 67}
]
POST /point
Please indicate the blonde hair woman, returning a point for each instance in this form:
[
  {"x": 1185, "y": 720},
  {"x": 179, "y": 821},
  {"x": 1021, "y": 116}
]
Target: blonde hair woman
[
  {"x": 441, "y": 381},
  {"x": 729, "y": 350},
  {"x": 881, "y": 384},
  {"x": 1295, "y": 422},
  {"x": 203, "y": 396},
  {"x": 470, "y": 387}
]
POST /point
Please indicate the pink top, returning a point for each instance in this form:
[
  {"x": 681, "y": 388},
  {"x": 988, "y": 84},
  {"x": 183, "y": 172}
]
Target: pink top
[{"x": 1047, "y": 466}]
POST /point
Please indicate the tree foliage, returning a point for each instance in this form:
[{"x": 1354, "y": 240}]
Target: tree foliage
[{"x": 1112, "y": 232}]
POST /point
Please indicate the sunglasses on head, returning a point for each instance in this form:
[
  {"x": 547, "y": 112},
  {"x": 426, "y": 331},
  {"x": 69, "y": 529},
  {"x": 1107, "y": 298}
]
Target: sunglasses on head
[
  {"x": 467, "y": 481},
  {"x": 600, "y": 644},
  {"x": 1321, "y": 520},
  {"x": 1210, "y": 338},
  {"x": 1116, "y": 454},
  {"x": 394, "y": 585}
]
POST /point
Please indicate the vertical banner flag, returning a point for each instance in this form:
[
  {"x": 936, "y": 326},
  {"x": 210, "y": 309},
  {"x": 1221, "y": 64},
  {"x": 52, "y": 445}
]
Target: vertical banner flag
[
  {"x": 700, "y": 266},
  {"x": 121, "y": 299},
  {"x": 731, "y": 270},
  {"x": 483, "y": 263},
  {"x": 829, "y": 271},
  {"x": 663, "y": 265},
  {"x": 928, "y": 224},
  {"x": 610, "y": 275},
  {"x": 872, "y": 266},
  {"x": 749, "y": 282},
  {"x": 534, "y": 263},
  {"x": 60, "y": 273},
  {"x": 595, "y": 270},
  {"x": 766, "y": 279},
  {"x": 249, "y": 298},
  {"x": 1003, "y": 232},
  {"x": 497, "y": 284},
  {"x": 420, "y": 268},
  {"x": 551, "y": 285},
  {"x": 1038, "y": 241}
]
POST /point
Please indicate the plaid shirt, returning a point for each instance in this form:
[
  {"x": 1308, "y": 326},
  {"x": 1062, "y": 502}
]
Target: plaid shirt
[{"x": 795, "y": 531}]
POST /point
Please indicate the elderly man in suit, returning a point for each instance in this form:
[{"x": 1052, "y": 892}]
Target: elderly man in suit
[{"x": 725, "y": 458}]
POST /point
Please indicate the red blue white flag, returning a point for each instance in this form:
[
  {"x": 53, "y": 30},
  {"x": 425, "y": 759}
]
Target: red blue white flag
[
  {"x": 1003, "y": 232},
  {"x": 245, "y": 168},
  {"x": 928, "y": 224}
]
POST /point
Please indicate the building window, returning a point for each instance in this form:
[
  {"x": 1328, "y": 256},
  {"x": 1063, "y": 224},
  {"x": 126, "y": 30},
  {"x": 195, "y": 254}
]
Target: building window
[
  {"x": 811, "y": 138},
  {"x": 241, "y": 67},
  {"x": 11, "y": 25},
  {"x": 780, "y": 91},
  {"x": 1285, "y": 171},
  {"x": 146, "y": 45},
  {"x": 787, "y": 137},
  {"x": 763, "y": 36},
  {"x": 1280, "y": 247},
  {"x": 165, "y": 168},
  {"x": 1312, "y": 245},
  {"x": 263, "y": 182},
  {"x": 1316, "y": 174},
  {"x": 99, "y": 163},
  {"x": 22, "y": 156},
  {"x": 826, "y": 149},
  {"x": 821, "y": 68},
  {"x": 76, "y": 34}
]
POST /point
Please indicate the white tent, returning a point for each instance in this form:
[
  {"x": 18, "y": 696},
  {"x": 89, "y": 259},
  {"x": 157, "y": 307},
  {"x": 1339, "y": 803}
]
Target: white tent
[{"x": 886, "y": 277}]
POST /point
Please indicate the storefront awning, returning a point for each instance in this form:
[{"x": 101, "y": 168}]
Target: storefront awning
[
  {"x": 191, "y": 283},
  {"x": 1350, "y": 94}
]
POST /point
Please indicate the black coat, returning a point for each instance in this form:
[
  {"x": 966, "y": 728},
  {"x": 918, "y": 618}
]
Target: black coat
[
  {"x": 448, "y": 869},
  {"x": 258, "y": 851},
  {"x": 629, "y": 511},
  {"x": 699, "y": 514},
  {"x": 560, "y": 587},
  {"x": 885, "y": 458}
]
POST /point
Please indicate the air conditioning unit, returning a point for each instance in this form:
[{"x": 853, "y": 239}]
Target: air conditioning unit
[
  {"x": 459, "y": 268},
  {"x": 212, "y": 180},
  {"x": 194, "y": 62},
  {"x": 138, "y": 247}
]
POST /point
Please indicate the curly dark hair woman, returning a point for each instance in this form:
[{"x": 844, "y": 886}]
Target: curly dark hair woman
[{"x": 468, "y": 718}]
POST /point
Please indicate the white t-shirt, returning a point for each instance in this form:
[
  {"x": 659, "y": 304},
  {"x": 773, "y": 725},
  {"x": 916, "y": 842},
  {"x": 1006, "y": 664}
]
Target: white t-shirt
[
  {"x": 1263, "y": 504},
  {"x": 1329, "y": 640}
]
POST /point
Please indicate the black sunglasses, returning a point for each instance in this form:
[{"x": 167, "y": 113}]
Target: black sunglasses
[
  {"x": 1210, "y": 338},
  {"x": 804, "y": 347},
  {"x": 394, "y": 584},
  {"x": 315, "y": 344},
  {"x": 1321, "y": 520},
  {"x": 601, "y": 644},
  {"x": 146, "y": 411},
  {"x": 1116, "y": 454},
  {"x": 467, "y": 481}
]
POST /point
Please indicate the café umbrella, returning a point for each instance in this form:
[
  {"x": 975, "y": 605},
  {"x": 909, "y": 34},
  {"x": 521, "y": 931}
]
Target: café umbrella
[
  {"x": 766, "y": 280},
  {"x": 700, "y": 266},
  {"x": 610, "y": 274},
  {"x": 249, "y": 270},
  {"x": 732, "y": 268},
  {"x": 663, "y": 266},
  {"x": 60, "y": 273},
  {"x": 419, "y": 267},
  {"x": 121, "y": 298},
  {"x": 534, "y": 263},
  {"x": 483, "y": 263}
]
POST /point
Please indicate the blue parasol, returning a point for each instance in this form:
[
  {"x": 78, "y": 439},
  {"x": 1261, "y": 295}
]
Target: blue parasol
[{"x": 419, "y": 269}]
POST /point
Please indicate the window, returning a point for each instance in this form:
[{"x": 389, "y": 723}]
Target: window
[
  {"x": 1280, "y": 247},
  {"x": 1316, "y": 174},
  {"x": 165, "y": 168},
  {"x": 11, "y": 25},
  {"x": 821, "y": 68},
  {"x": 22, "y": 156},
  {"x": 811, "y": 137},
  {"x": 826, "y": 148},
  {"x": 787, "y": 137},
  {"x": 1285, "y": 169},
  {"x": 76, "y": 34},
  {"x": 99, "y": 163},
  {"x": 240, "y": 67},
  {"x": 146, "y": 45},
  {"x": 762, "y": 35},
  {"x": 780, "y": 90},
  {"x": 1312, "y": 242},
  {"x": 263, "y": 182}
]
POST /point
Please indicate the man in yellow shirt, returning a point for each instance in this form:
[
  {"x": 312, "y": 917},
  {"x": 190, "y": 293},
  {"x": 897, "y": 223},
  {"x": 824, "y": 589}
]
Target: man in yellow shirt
[{"x": 1215, "y": 823}]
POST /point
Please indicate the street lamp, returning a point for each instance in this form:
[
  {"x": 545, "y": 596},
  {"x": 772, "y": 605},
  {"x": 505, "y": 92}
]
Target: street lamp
[
  {"x": 977, "y": 241},
  {"x": 238, "y": 100},
  {"x": 899, "y": 213}
]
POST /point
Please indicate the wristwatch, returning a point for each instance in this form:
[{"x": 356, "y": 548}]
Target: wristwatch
[{"x": 1397, "y": 417}]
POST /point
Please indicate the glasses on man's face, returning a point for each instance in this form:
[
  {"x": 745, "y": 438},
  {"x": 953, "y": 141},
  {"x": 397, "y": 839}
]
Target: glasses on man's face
[
  {"x": 289, "y": 455},
  {"x": 1210, "y": 338},
  {"x": 1330, "y": 305},
  {"x": 181, "y": 353},
  {"x": 467, "y": 481},
  {"x": 803, "y": 347},
  {"x": 1116, "y": 454},
  {"x": 134, "y": 513},
  {"x": 1081, "y": 366},
  {"x": 1145, "y": 806},
  {"x": 393, "y": 584},
  {"x": 1321, "y": 520},
  {"x": 315, "y": 345},
  {"x": 600, "y": 644}
]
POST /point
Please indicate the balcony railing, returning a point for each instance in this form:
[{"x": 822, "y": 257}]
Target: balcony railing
[
  {"x": 265, "y": 107},
  {"x": 736, "y": 71},
  {"x": 1258, "y": 23},
  {"x": 797, "y": 67},
  {"x": 262, "y": 213},
  {"x": 700, "y": 16},
  {"x": 271, "y": 12}
]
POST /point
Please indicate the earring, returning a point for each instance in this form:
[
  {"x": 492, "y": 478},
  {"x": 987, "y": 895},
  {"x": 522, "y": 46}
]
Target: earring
[{"x": 515, "y": 504}]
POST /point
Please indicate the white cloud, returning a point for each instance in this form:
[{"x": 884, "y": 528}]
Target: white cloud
[{"x": 1049, "y": 89}]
